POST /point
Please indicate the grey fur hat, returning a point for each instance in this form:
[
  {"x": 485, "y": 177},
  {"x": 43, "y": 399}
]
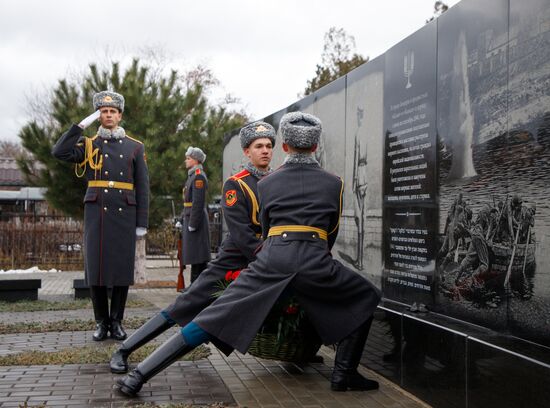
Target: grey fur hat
[
  {"x": 300, "y": 130},
  {"x": 108, "y": 98},
  {"x": 196, "y": 153},
  {"x": 256, "y": 130}
]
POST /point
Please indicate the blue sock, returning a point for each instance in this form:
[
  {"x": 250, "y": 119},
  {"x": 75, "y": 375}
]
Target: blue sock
[
  {"x": 165, "y": 314},
  {"x": 194, "y": 335}
]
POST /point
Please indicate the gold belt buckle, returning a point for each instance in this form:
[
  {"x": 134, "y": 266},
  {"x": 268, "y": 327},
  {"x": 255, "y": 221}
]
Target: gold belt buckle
[{"x": 111, "y": 184}]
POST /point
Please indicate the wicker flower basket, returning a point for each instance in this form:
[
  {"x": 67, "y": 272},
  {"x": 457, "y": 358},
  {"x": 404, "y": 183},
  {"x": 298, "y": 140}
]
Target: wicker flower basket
[
  {"x": 286, "y": 335},
  {"x": 301, "y": 347}
]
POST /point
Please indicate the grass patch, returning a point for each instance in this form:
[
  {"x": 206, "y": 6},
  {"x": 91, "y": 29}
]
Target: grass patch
[
  {"x": 64, "y": 325},
  {"x": 44, "y": 305},
  {"x": 89, "y": 355}
]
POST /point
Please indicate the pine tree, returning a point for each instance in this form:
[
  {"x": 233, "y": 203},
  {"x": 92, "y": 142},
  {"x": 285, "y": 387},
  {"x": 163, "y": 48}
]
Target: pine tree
[
  {"x": 338, "y": 58},
  {"x": 168, "y": 113}
]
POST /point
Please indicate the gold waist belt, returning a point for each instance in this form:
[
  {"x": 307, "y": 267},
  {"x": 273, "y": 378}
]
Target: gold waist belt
[
  {"x": 281, "y": 229},
  {"x": 190, "y": 204},
  {"x": 111, "y": 184}
]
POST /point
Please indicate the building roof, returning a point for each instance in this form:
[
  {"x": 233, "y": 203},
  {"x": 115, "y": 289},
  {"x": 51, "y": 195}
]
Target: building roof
[
  {"x": 26, "y": 193},
  {"x": 10, "y": 175}
]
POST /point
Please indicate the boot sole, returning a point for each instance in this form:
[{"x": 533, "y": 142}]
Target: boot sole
[
  {"x": 127, "y": 391},
  {"x": 119, "y": 371},
  {"x": 124, "y": 389},
  {"x": 338, "y": 388},
  {"x": 119, "y": 338},
  {"x": 99, "y": 339}
]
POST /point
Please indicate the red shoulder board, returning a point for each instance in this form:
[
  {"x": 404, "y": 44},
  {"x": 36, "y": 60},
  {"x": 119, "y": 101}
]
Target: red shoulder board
[
  {"x": 240, "y": 175},
  {"x": 197, "y": 171}
]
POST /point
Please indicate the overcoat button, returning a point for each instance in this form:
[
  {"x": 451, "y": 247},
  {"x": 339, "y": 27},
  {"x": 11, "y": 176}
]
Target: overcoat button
[
  {"x": 284, "y": 235},
  {"x": 105, "y": 208}
]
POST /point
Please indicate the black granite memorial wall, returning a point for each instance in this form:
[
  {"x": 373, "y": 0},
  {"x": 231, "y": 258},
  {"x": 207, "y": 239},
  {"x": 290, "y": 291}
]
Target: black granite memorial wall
[{"x": 444, "y": 146}]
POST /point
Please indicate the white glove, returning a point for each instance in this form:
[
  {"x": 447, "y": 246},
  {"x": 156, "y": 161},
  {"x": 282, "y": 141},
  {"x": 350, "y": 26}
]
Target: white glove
[
  {"x": 140, "y": 231},
  {"x": 191, "y": 229},
  {"x": 84, "y": 123},
  {"x": 178, "y": 225}
]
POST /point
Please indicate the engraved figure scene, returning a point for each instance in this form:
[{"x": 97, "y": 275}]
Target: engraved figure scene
[
  {"x": 493, "y": 149},
  {"x": 490, "y": 254}
]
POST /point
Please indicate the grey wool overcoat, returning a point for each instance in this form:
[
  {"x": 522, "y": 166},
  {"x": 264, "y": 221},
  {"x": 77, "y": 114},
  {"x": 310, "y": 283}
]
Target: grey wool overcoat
[
  {"x": 195, "y": 248},
  {"x": 116, "y": 202},
  {"x": 336, "y": 299}
]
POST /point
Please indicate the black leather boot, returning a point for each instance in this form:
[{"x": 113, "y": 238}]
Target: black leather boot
[
  {"x": 118, "y": 304},
  {"x": 196, "y": 270},
  {"x": 151, "y": 329},
  {"x": 101, "y": 332},
  {"x": 348, "y": 356},
  {"x": 161, "y": 358},
  {"x": 101, "y": 312}
]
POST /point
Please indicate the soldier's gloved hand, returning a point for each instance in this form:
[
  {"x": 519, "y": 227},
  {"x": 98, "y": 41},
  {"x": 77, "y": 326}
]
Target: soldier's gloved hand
[
  {"x": 140, "y": 231},
  {"x": 191, "y": 229},
  {"x": 178, "y": 225},
  {"x": 84, "y": 123}
]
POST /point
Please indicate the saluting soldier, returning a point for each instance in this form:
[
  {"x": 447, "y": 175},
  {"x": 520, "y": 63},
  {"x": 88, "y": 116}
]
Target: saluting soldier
[
  {"x": 195, "y": 235},
  {"x": 116, "y": 206},
  {"x": 300, "y": 207},
  {"x": 240, "y": 211}
]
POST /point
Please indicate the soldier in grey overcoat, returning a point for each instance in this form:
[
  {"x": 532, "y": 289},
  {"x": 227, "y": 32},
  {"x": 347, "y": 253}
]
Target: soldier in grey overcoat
[
  {"x": 195, "y": 234},
  {"x": 241, "y": 214},
  {"x": 300, "y": 207},
  {"x": 116, "y": 206}
]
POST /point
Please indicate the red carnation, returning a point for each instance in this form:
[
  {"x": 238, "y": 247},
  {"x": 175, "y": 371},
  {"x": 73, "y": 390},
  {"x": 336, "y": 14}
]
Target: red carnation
[
  {"x": 236, "y": 274},
  {"x": 228, "y": 276},
  {"x": 291, "y": 309}
]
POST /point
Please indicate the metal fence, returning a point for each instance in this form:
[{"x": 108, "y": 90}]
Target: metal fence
[{"x": 48, "y": 241}]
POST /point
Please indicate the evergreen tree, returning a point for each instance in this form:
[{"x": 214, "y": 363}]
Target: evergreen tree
[
  {"x": 338, "y": 58},
  {"x": 439, "y": 8},
  {"x": 168, "y": 113}
]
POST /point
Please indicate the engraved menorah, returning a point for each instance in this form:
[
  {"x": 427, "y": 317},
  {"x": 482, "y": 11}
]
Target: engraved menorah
[{"x": 408, "y": 67}]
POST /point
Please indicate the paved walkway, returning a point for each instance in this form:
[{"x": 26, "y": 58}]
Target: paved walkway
[{"x": 237, "y": 380}]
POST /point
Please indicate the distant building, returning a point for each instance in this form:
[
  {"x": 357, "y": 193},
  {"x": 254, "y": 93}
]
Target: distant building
[{"x": 15, "y": 195}]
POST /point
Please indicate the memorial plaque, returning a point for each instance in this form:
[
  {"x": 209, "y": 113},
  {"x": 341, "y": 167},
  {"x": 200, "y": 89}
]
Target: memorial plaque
[{"x": 409, "y": 175}]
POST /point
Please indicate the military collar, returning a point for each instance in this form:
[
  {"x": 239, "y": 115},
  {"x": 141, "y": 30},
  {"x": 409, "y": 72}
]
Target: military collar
[
  {"x": 193, "y": 169},
  {"x": 118, "y": 133},
  {"x": 300, "y": 158},
  {"x": 256, "y": 172}
]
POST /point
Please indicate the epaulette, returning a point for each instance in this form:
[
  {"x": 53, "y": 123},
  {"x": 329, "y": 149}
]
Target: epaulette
[
  {"x": 197, "y": 172},
  {"x": 135, "y": 140},
  {"x": 240, "y": 175}
]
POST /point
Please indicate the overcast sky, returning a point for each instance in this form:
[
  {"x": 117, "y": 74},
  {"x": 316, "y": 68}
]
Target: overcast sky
[{"x": 263, "y": 52}]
